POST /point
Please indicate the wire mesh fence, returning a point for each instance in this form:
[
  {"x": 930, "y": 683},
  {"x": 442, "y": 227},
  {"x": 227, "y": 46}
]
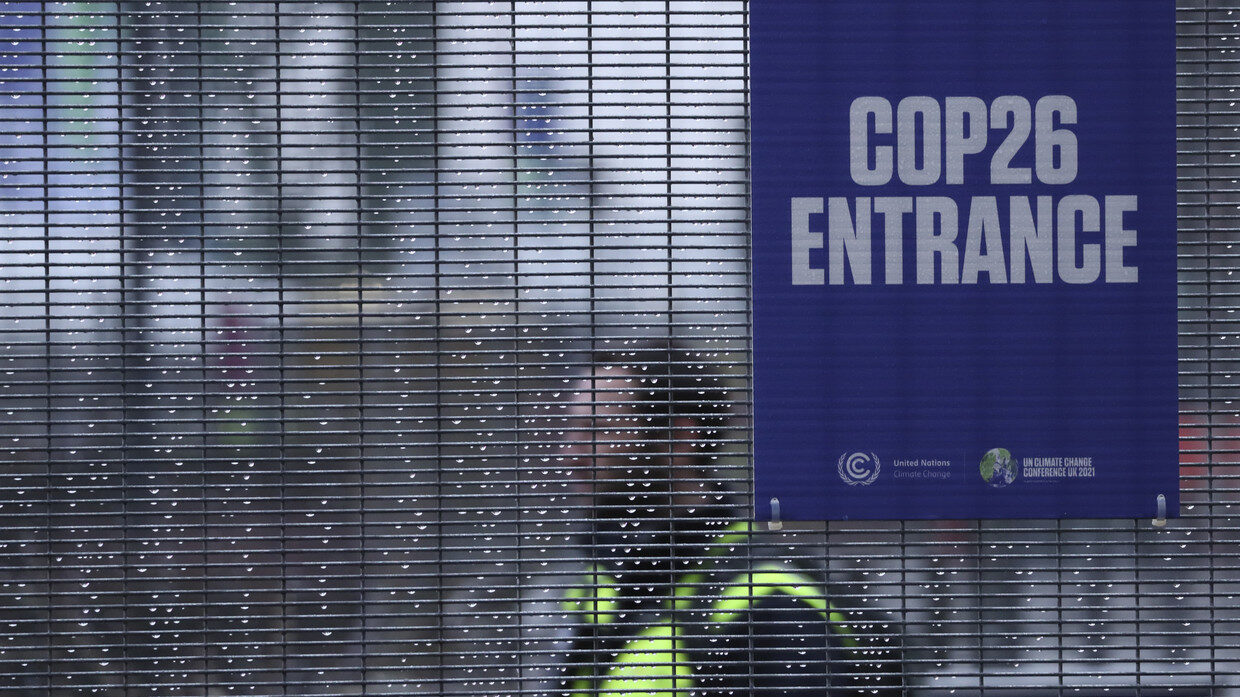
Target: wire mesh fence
[{"x": 295, "y": 298}]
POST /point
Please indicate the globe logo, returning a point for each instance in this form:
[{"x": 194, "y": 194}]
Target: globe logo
[
  {"x": 998, "y": 468},
  {"x": 858, "y": 468}
]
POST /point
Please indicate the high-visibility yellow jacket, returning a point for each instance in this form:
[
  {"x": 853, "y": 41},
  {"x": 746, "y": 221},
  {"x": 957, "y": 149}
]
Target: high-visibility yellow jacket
[{"x": 770, "y": 629}]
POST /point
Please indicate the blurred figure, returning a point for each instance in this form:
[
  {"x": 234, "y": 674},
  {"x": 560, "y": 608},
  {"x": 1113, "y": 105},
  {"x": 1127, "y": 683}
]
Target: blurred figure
[{"x": 664, "y": 607}]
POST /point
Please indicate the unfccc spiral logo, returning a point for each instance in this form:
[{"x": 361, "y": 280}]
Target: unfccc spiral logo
[{"x": 858, "y": 468}]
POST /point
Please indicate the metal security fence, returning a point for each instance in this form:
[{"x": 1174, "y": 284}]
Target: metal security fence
[{"x": 295, "y": 295}]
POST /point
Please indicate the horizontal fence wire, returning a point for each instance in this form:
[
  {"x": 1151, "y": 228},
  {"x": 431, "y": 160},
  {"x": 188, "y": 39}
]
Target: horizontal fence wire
[{"x": 298, "y": 297}]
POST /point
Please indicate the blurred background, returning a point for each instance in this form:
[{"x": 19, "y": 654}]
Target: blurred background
[{"x": 292, "y": 293}]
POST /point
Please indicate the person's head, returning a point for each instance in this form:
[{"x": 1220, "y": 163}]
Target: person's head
[
  {"x": 645, "y": 422},
  {"x": 647, "y": 418}
]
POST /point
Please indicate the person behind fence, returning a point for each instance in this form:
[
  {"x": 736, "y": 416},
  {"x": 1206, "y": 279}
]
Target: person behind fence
[{"x": 679, "y": 596}]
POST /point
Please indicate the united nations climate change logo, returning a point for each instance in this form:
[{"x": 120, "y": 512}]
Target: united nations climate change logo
[
  {"x": 858, "y": 468},
  {"x": 998, "y": 467}
]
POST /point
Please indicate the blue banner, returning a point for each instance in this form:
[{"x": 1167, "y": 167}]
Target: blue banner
[{"x": 964, "y": 258}]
